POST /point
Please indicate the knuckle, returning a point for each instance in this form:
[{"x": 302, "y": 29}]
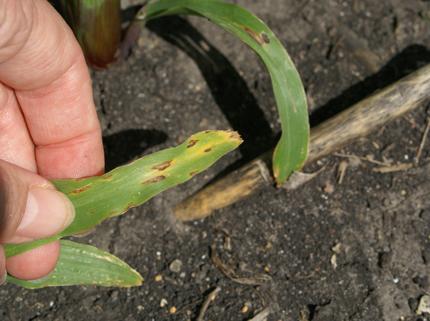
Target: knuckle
[{"x": 15, "y": 26}]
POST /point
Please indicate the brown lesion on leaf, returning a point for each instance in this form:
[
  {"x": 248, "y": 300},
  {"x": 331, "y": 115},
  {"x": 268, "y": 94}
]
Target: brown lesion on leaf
[
  {"x": 265, "y": 37},
  {"x": 207, "y": 150},
  {"x": 163, "y": 165},
  {"x": 261, "y": 38},
  {"x": 80, "y": 190},
  {"x": 192, "y": 142},
  {"x": 155, "y": 179}
]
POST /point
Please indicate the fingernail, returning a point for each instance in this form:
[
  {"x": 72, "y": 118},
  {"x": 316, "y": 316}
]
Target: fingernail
[{"x": 47, "y": 213}]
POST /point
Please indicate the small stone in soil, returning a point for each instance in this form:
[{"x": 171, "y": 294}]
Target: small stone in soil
[
  {"x": 163, "y": 303},
  {"x": 172, "y": 310},
  {"x": 424, "y": 305},
  {"x": 175, "y": 266}
]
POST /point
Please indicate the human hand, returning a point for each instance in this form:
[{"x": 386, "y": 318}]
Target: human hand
[{"x": 48, "y": 129}]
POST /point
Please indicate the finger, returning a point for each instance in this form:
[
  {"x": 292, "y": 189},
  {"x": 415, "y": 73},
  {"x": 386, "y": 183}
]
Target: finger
[
  {"x": 30, "y": 207},
  {"x": 41, "y": 262},
  {"x": 64, "y": 126},
  {"x": 48, "y": 72},
  {"x": 15, "y": 142},
  {"x": 2, "y": 266},
  {"x": 14, "y": 137}
]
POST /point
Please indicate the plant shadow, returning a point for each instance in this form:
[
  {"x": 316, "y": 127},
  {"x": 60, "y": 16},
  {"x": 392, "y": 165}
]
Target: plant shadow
[
  {"x": 227, "y": 87},
  {"x": 126, "y": 145},
  {"x": 404, "y": 63}
]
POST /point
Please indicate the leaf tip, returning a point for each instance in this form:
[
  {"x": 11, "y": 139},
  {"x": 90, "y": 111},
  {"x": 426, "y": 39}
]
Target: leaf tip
[
  {"x": 137, "y": 282},
  {"x": 234, "y": 136}
]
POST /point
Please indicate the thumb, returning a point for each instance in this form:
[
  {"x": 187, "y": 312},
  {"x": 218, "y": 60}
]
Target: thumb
[{"x": 30, "y": 206}]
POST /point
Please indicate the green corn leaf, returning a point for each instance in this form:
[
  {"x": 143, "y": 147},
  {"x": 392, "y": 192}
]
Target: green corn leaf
[
  {"x": 100, "y": 197},
  {"x": 292, "y": 148},
  {"x": 84, "y": 264}
]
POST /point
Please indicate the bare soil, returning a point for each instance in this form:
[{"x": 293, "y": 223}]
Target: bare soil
[{"x": 359, "y": 250}]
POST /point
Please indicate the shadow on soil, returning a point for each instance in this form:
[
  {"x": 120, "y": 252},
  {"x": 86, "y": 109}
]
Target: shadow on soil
[
  {"x": 228, "y": 88},
  {"x": 124, "y": 146},
  {"x": 238, "y": 104},
  {"x": 409, "y": 60}
]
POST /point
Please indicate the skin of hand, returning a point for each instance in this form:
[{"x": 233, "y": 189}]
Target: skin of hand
[{"x": 48, "y": 129}]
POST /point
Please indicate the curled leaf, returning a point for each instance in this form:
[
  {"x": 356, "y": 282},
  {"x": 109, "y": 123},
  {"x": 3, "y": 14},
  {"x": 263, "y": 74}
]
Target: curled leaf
[
  {"x": 292, "y": 148},
  {"x": 81, "y": 264}
]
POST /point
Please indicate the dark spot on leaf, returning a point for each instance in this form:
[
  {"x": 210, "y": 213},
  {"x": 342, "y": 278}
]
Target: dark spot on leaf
[
  {"x": 163, "y": 165},
  {"x": 192, "y": 142},
  {"x": 265, "y": 37},
  {"x": 207, "y": 150},
  {"x": 81, "y": 189},
  {"x": 155, "y": 179},
  {"x": 257, "y": 37}
]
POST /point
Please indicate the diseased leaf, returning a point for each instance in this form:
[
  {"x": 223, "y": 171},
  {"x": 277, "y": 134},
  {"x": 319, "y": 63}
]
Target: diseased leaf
[
  {"x": 81, "y": 264},
  {"x": 100, "y": 197},
  {"x": 292, "y": 148}
]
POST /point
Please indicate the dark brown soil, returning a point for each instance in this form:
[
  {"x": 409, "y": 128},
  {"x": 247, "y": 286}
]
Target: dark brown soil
[{"x": 359, "y": 250}]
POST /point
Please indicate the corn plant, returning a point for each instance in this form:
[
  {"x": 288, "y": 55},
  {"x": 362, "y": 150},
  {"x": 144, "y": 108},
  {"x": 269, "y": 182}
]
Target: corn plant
[
  {"x": 96, "y": 25},
  {"x": 291, "y": 150}
]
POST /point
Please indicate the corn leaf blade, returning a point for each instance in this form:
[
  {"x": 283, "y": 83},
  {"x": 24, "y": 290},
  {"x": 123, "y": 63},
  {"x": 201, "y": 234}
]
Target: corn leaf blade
[
  {"x": 81, "y": 264},
  {"x": 101, "y": 197},
  {"x": 292, "y": 148}
]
